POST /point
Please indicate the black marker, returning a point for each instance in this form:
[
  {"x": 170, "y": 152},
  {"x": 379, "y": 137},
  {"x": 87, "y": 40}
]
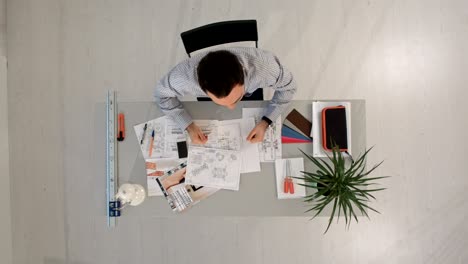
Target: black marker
[{"x": 144, "y": 132}]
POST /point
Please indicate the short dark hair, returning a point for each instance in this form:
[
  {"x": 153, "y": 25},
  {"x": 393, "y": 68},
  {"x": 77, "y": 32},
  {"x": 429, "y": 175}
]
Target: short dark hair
[{"x": 219, "y": 71}]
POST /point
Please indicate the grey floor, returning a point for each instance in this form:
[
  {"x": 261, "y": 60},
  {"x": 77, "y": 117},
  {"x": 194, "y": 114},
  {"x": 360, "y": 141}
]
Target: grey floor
[{"x": 407, "y": 59}]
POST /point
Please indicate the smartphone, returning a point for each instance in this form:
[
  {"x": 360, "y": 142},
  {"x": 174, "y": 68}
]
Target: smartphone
[{"x": 334, "y": 130}]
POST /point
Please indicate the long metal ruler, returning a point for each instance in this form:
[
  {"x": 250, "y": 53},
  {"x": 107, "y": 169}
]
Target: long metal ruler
[{"x": 111, "y": 159}]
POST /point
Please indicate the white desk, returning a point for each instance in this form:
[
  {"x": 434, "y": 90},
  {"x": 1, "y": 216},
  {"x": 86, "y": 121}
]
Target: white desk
[{"x": 257, "y": 194}]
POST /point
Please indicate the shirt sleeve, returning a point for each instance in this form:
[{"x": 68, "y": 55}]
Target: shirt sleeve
[
  {"x": 166, "y": 93},
  {"x": 281, "y": 80}
]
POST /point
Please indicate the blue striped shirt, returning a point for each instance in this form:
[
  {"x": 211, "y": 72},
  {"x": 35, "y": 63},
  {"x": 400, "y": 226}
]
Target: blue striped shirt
[{"x": 262, "y": 69}]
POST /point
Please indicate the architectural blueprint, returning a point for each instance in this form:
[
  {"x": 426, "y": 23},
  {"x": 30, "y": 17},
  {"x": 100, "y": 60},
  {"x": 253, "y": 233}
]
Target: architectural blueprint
[
  {"x": 232, "y": 135},
  {"x": 166, "y": 136},
  {"x": 217, "y": 168},
  {"x": 220, "y": 134},
  {"x": 270, "y": 149}
]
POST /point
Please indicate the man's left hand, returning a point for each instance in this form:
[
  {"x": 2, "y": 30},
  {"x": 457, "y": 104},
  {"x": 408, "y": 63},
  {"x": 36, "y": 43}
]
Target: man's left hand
[{"x": 257, "y": 134}]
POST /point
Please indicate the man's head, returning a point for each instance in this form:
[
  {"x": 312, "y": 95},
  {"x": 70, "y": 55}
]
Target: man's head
[{"x": 221, "y": 77}]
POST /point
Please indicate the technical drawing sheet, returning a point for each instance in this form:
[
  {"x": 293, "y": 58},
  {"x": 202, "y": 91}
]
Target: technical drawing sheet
[
  {"x": 221, "y": 135},
  {"x": 232, "y": 135},
  {"x": 217, "y": 168},
  {"x": 164, "y": 143},
  {"x": 250, "y": 154},
  {"x": 270, "y": 148}
]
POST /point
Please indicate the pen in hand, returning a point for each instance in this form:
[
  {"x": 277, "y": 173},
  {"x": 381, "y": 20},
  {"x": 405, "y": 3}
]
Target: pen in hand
[{"x": 144, "y": 132}]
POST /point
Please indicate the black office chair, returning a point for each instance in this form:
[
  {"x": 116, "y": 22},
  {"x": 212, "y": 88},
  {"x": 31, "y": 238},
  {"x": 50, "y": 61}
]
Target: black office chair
[{"x": 222, "y": 33}]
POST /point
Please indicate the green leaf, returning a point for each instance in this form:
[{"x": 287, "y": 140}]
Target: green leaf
[
  {"x": 362, "y": 192},
  {"x": 368, "y": 179},
  {"x": 316, "y": 162},
  {"x": 310, "y": 174},
  {"x": 326, "y": 165},
  {"x": 307, "y": 185},
  {"x": 354, "y": 168},
  {"x": 350, "y": 207},
  {"x": 360, "y": 207},
  {"x": 322, "y": 206},
  {"x": 332, "y": 215},
  {"x": 370, "y": 208},
  {"x": 339, "y": 210},
  {"x": 309, "y": 177},
  {"x": 360, "y": 160},
  {"x": 375, "y": 190},
  {"x": 361, "y": 175},
  {"x": 345, "y": 212}
]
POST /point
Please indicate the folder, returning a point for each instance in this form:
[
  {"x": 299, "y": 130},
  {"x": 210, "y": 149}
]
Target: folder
[
  {"x": 288, "y": 140},
  {"x": 289, "y": 132}
]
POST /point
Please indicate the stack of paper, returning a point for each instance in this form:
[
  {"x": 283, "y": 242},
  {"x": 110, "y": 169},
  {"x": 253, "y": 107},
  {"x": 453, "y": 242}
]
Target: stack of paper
[{"x": 289, "y": 135}]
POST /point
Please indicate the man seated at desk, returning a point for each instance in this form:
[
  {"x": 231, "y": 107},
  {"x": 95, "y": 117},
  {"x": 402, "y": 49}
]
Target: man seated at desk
[{"x": 226, "y": 76}]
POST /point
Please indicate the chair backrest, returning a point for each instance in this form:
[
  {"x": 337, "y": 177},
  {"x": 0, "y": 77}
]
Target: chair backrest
[{"x": 219, "y": 33}]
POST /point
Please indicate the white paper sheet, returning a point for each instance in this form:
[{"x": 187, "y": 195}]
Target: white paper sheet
[
  {"x": 296, "y": 166},
  {"x": 164, "y": 154},
  {"x": 166, "y": 136},
  {"x": 249, "y": 151},
  {"x": 232, "y": 135},
  {"x": 316, "y": 133},
  {"x": 221, "y": 134},
  {"x": 271, "y": 147},
  {"x": 217, "y": 168}
]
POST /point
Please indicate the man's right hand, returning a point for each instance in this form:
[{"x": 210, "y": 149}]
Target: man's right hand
[{"x": 196, "y": 134}]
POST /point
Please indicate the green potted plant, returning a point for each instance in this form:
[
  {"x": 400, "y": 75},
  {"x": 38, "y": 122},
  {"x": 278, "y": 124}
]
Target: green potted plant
[{"x": 345, "y": 184}]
